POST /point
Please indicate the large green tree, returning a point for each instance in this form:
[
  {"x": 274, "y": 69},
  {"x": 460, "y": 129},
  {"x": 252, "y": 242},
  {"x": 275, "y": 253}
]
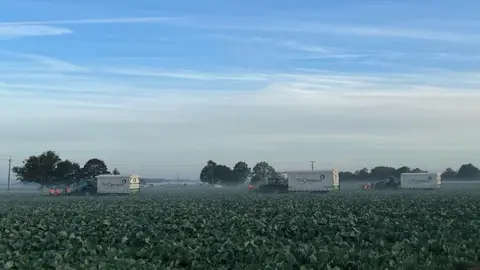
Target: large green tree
[
  {"x": 93, "y": 168},
  {"x": 381, "y": 172},
  {"x": 242, "y": 172},
  {"x": 261, "y": 172},
  {"x": 361, "y": 174},
  {"x": 47, "y": 168},
  {"x": 208, "y": 172},
  {"x": 468, "y": 172},
  {"x": 403, "y": 169},
  {"x": 224, "y": 175},
  {"x": 449, "y": 174},
  {"x": 68, "y": 170},
  {"x": 214, "y": 173}
]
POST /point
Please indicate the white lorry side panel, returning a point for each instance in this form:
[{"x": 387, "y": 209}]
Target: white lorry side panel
[
  {"x": 312, "y": 180},
  {"x": 420, "y": 180},
  {"x": 118, "y": 184}
]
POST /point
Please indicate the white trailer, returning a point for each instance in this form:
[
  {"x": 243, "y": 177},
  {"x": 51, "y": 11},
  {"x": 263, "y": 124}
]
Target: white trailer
[
  {"x": 118, "y": 184},
  {"x": 420, "y": 180},
  {"x": 312, "y": 181}
]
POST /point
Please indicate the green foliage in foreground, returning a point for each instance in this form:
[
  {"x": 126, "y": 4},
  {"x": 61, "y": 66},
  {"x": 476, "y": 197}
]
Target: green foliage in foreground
[{"x": 428, "y": 231}]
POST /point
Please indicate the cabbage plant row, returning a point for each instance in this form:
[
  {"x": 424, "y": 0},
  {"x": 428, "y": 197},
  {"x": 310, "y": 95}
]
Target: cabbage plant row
[{"x": 402, "y": 231}]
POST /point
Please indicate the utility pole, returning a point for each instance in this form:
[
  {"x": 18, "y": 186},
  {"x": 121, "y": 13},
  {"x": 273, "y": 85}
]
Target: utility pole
[
  {"x": 9, "y": 169},
  {"x": 313, "y": 161}
]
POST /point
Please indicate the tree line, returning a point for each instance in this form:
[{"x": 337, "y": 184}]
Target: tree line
[
  {"x": 48, "y": 168},
  {"x": 214, "y": 173}
]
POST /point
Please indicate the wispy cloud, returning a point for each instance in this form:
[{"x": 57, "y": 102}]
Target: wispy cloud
[
  {"x": 45, "y": 61},
  {"x": 240, "y": 39},
  {"x": 314, "y": 51},
  {"x": 19, "y": 31},
  {"x": 258, "y": 25},
  {"x": 318, "y": 80},
  {"x": 128, "y": 20},
  {"x": 399, "y": 32},
  {"x": 335, "y": 29},
  {"x": 186, "y": 74},
  {"x": 455, "y": 57},
  {"x": 324, "y": 52},
  {"x": 305, "y": 47}
]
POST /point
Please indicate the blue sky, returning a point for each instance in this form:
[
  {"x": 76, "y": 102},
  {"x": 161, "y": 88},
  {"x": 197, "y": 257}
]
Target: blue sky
[{"x": 157, "y": 87}]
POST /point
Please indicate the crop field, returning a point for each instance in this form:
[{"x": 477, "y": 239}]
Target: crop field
[{"x": 222, "y": 230}]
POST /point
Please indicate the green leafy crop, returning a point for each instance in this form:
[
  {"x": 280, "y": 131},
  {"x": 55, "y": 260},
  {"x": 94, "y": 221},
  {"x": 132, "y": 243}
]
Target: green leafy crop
[{"x": 376, "y": 231}]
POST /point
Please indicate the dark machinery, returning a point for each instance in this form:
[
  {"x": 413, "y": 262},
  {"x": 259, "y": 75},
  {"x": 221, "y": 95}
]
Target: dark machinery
[
  {"x": 389, "y": 183},
  {"x": 274, "y": 185},
  {"x": 89, "y": 189},
  {"x": 81, "y": 188}
]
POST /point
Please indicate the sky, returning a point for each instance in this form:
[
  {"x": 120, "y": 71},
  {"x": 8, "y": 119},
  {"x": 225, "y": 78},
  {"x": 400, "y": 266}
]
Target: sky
[{"x": 161, "y": 87}]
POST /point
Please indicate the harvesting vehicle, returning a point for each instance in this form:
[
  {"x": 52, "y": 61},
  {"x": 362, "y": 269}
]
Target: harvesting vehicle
[
  {"x": 101, "y": 185},
  {"x": 274, "y": 185},
  {"x": 407, "y": 181},
  {"x": 389, "y": 183},
  {"x": 72, "y": 189},
  {"x": 302, "y": 181}
]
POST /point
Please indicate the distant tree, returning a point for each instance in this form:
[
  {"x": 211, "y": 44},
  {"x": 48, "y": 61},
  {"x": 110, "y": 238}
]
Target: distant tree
[
  {"x": 214, "y": 173},
  {"x": 46, "y": 169},
  {"x": 262, "y": 171},
  {"x": 467, "y": 172},
  {"x": 381, "y": 172},
  {"x": 67, "y": 171},
  {"x": 115, "y": 172},
  {"x": 346, "y": 175},
  {"x": 449, "y": 174},
  {"x": 224, "y": 175},
  {"x": 242, "y": 172},
  {"x": 93, "y": 168},
  {"x": 362, "y": 174},
  {"x": 403, "y": 169},
  {"x": 207, "y": 173},
  {"x": 417, "y": 170}
]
